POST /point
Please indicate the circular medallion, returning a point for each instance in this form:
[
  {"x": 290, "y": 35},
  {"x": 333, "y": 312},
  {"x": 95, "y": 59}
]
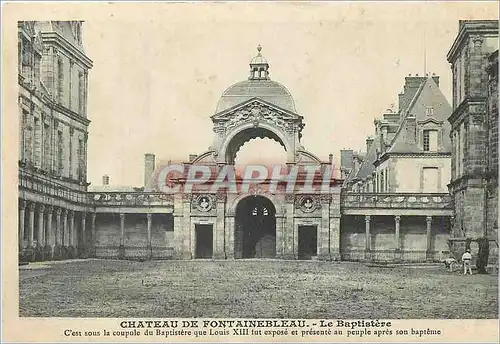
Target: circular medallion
[
  {"x": 204, "y": 203},
  {"x": 308, "y": 204}
]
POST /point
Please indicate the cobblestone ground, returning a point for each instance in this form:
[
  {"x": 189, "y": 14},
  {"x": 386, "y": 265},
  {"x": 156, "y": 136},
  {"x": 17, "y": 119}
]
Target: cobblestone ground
[{"x": 252, "y": 289}]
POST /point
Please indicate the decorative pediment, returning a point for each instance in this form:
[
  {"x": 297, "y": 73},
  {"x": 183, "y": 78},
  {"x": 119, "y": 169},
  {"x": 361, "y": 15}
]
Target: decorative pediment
[
  {"x": 430, "y": 120},
  {"x": 257, "y": 111}
]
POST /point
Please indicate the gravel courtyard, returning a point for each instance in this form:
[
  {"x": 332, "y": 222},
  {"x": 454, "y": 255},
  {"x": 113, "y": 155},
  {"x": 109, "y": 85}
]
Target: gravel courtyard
[{"x": 251, "y": 289}]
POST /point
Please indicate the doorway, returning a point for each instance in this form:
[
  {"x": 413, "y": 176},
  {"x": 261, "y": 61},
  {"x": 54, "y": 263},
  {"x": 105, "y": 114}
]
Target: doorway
[
  {"x": 255, "y": 230},
  {"x": 308, "y": 242},
  {"x": 204, "y": 240}
]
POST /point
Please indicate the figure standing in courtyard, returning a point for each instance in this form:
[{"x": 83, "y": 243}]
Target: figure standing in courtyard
[{"x": 466, "y": 259}]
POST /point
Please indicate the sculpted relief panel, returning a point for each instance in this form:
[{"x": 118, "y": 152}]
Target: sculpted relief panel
[{"x": 257, "y": 112}]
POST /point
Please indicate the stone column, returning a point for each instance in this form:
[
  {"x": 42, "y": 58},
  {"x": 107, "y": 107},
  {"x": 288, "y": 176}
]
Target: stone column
[
  {"x": 334, "y": 240},
  {"x": 218, "y": 231},
  {"x": 121, "y": 252},
  {"x": 150, "y": 253},
  {"x": 71, "y": 235},
  {"x": 93, "y": 233},
  {"x": 83, "y": 243},
  {"x": 279, "y": 236},
  {"x": 335, "y": 218},
  {"x": 31, "y": 224},
  {"x": 48, "y": 234},
  {"x": 397, "y": 238},
  {"x": 428, "y": 221},
  {"x": 192, "y": 240},
  {"x": 367, "y": 238},
  {"x": 39, "y": 239},
  {"x": 22, "y": 207},
  {"x": 229, "y": 242},
  {"x": 323, "y": 247},
  {"x": 64, "y": 234},
  {"x": 57, "y": 238},
  {"x": 72, "y": 228},
  {"x": 295, "y": 241},
  {"x": 65, "y": 231},
  {"x": 188, "y": 232},
  {"x": 289, "y": 251}
]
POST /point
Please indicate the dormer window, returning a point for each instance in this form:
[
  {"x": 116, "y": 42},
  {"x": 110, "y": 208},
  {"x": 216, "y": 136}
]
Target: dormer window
[{"x": 430, "y": 140}]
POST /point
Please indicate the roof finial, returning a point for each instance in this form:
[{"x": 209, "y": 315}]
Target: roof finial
[{"x": 259, "y": 48}]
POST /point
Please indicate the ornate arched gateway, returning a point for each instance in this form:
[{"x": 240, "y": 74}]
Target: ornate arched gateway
[{"x": 257, "y": 223}]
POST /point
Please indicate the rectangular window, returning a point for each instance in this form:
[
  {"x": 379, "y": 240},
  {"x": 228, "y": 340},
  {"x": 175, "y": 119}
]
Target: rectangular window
[
  {"x": 430, "y": 179},
  {"x": 37, "y": 143},
  {"x": 60, "y": 80},
  {"x": 80, "y": 159},
  {"x": 46, "y": 147},
  {"x": 81, "y": 89},
  {"x": 429, "y": 111},
  {"x": 60, "y": 152},
  {"x": 430, "y": 140}
]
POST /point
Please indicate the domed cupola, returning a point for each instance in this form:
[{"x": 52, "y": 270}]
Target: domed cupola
[
  {"x": 259, "y": 68},
  {"x": 258, "y": 85}
]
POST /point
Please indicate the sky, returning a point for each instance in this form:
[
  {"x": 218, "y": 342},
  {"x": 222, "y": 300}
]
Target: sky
[{"x": 159, "y": 72}]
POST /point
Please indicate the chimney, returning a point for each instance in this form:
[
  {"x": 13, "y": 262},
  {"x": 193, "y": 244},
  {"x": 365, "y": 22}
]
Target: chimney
[
  {"x": 330, "y": 158},
  {"x": 411, "y": 129},
  {"x": 369, "y": 141},
  {"x": 149, "y": 167},
  {"x": 105, "y": 180},
  {"x": 435, "y": 78},
  {"x": 346, "y": 158},
  {"x": 192, "y": 157}
]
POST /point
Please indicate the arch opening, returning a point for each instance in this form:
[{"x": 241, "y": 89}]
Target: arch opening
[
  {"x": 255, "y": 228},
  {"x": 244, "y": 136}
]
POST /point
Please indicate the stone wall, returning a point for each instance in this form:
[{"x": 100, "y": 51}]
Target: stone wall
[
  {"x": 109, "y": 243},
  {"x": 413, "y": 238}
]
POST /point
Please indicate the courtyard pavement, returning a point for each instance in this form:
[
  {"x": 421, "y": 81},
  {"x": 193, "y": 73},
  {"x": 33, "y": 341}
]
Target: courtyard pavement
[{"x": 252, "y": 289}]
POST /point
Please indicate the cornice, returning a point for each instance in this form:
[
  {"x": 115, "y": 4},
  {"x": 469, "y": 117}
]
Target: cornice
[{"x": 57, "y": 39}]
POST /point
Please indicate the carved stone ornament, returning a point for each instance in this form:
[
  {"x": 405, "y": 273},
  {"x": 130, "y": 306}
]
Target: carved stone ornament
[
  {"x": 307, "y": 204},
  {"x": 204, "y": 202},
  {"x": 257, "y": 113}
]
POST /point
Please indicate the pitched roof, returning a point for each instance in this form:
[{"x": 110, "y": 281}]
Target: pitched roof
[
  {"x": 428, "y": 94},
  {"x": 367, "y": 166}
]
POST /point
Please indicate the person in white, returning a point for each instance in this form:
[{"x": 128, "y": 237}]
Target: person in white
[{"x": 466, "y": 259}]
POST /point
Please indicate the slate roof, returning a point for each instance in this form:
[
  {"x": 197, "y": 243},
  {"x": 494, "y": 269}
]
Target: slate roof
[{"x": 428, "y": 94}]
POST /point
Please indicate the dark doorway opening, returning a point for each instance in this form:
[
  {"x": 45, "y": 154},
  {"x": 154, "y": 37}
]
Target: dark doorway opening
[
  {"x": 204, "y": 241},
  {"x": 255, "y": 231},
  {"x": 308, "y": 242}
]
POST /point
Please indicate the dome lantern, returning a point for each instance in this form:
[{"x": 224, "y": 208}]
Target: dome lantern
[{"x": 259, "y": 68}]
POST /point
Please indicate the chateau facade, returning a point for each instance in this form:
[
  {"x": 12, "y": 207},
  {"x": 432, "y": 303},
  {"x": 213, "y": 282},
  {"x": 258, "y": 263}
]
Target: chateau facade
[
  {"x": 474, "y": 121},
  {"x": 372, "y": 212},
  {"x": 53, "y": 130}
]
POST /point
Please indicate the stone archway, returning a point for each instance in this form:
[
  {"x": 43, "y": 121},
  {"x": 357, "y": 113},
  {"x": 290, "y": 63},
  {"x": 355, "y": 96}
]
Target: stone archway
[
  {"x": 255, "y": 228},
  {"x": 233, "y": 145}
]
